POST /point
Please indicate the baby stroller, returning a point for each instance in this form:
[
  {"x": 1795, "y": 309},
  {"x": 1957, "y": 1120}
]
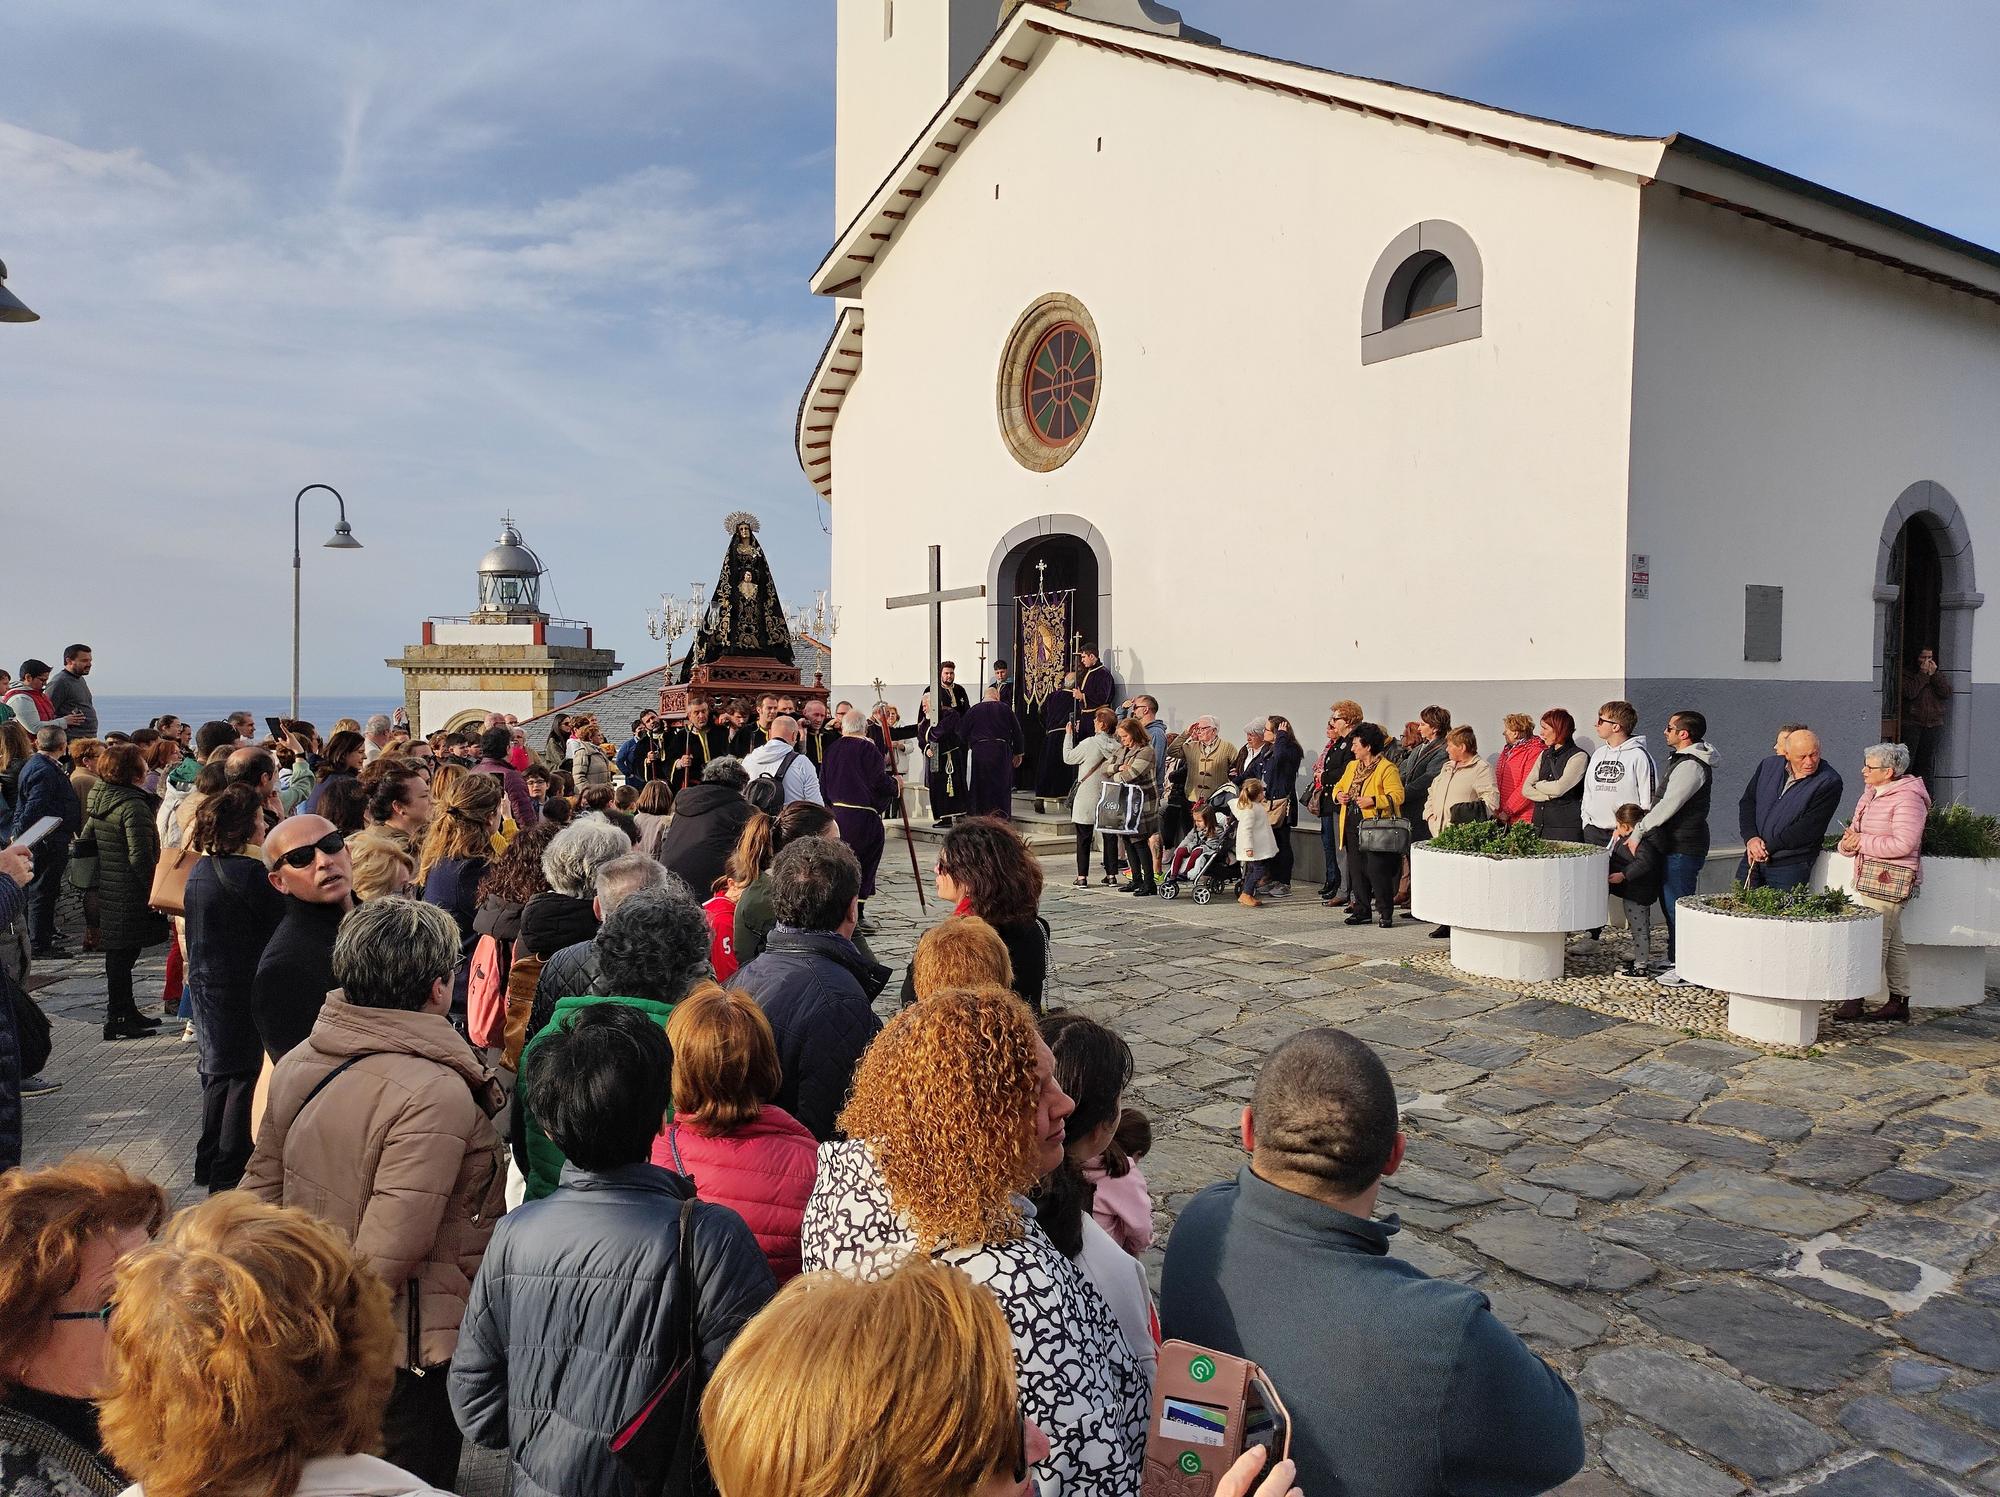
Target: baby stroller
[{"x": 1205, "y": 860}]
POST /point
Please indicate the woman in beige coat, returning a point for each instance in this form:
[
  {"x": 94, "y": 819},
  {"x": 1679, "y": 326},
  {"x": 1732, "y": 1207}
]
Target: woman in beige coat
[{"x": 1465, "y": 779}]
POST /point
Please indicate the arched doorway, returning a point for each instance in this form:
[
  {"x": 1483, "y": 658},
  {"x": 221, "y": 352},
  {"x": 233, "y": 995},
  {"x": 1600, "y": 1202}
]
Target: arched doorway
[
  {"x": 1925, "y": 594},
  {"x": 1052, "y": 557}
]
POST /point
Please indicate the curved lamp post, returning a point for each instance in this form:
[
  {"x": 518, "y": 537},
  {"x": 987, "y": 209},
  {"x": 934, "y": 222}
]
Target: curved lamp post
[
  {"x": 343, "y": 540},
  {"x": 12, "y": 308}
]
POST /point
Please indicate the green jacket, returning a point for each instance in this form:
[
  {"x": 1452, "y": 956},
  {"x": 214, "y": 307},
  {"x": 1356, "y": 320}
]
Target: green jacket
[
  {"x": 545, "y": 1160},
  {"x": 120, "y": 819}
]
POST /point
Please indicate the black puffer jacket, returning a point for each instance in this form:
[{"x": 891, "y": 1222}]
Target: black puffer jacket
[
  {"x": 817, "y": 991},
  {"x": 128, "y": 850},
  {"x": 552, "y": 921},
  {"x": 572, "y": 1321},
  {"x": 707, "y": 821}
]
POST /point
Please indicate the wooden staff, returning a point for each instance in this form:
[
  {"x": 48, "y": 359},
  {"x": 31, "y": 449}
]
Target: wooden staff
[{"x": 902, "y": 804}]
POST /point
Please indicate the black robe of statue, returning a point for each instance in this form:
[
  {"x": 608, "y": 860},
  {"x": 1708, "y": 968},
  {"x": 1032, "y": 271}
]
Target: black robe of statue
[
  {"x": 745, "y": 616},
  {"x": 992, "y": 740}
]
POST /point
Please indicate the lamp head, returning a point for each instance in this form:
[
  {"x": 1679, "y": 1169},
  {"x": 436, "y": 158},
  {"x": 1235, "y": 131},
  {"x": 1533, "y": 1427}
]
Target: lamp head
[
  {"x": 343, "y": 538},
  {"x": 12, "y": 308}
]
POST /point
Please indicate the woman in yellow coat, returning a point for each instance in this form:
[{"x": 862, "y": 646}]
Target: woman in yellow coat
[{"x": 1369, "y": 790}]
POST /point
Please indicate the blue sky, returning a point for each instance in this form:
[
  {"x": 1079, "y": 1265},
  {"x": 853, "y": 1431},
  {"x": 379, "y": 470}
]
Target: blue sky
[{"x": 460, "y": 259}]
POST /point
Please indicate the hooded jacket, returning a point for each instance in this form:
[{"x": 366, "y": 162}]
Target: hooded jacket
[
  {"x": 575, "y": 1316},
  {"x": 707, "y": 820},
  {"x": 1889, "y": 819},
  {"x": 1617, "y": 777},
  {"x": 128, "y": 851},
  {"x": 817, "y": 990},
  {"x": 398, "y": 1153},
  {"x": 543, "y": 1162},
  {"x": 1680, "y": 815}
]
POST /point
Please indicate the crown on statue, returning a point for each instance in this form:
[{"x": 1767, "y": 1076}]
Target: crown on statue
[{"x": 742, "y": 517}]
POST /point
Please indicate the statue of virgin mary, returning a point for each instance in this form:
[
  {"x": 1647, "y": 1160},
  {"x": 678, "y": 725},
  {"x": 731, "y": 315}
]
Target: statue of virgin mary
[{"x": 744, "y": 615}]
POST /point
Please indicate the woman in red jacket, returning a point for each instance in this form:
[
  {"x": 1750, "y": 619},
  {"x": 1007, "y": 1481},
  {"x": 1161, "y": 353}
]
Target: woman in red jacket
[
  {"x": 1515, "y": 762},
  {"x": 742, "y": 1152}
]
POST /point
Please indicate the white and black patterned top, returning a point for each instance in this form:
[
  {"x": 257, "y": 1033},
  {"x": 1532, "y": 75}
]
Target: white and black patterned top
[{"x": 1078, "y": 1380}]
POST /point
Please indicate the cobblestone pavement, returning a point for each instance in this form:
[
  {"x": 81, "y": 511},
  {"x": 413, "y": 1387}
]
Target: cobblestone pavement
[{"x": 1762, "y": 1272}]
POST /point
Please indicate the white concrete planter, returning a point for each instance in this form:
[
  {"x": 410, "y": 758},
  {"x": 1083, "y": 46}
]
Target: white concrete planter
[
  {"x": 1509, "y": 917},
  {"x": 1777, "y": 972},
  {"x": 1954, "y": 918}
]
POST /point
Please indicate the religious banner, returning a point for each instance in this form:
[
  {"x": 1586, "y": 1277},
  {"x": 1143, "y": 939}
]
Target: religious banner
[{"x": 1043, "y": 655}]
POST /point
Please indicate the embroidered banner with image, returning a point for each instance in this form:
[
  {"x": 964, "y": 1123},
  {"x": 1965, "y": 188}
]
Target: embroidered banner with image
[{"x": 1043, "y": 653}]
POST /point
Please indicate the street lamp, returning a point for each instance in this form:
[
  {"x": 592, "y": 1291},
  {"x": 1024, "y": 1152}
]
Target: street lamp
[
  {"x": 12, "y": 308},
  {"x": 343, "y": 540}
]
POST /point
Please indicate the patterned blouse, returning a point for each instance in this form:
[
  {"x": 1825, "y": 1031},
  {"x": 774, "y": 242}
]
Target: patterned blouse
[{"x": 1077, "y": 1377}]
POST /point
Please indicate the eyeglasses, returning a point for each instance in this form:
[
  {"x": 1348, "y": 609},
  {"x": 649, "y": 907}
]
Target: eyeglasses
[
  {"x": 302, "y": 857},
  {"x": 101, "y": 1314},
  {"x": 1605, "y": 720}
]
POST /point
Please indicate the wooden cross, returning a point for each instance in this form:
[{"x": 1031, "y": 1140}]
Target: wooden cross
[
  {"x": 935, "y": 599},
  {"x": 981, "y": 678}
]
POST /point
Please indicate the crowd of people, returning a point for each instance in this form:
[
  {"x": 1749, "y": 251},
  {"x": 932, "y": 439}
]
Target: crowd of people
[{"x": 545, "y": 1105}]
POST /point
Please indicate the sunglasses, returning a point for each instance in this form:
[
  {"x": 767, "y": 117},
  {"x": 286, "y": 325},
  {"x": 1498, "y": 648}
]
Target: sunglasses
[
  {"x": 102, "y": 1314},
  {"x": 302, "y": 857}
]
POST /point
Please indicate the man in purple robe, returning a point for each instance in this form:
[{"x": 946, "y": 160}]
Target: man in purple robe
[
  {"x": 943, "y": 741},
  {"x": 856, "y": 784},
  {"x": 993, "y": 738},
  {"x": 1056, "y": 777},
  {"x": 1099, "y": 688}
]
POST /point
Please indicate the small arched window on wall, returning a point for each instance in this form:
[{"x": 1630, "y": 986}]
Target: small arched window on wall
[{"x": 1425, "y": 292}]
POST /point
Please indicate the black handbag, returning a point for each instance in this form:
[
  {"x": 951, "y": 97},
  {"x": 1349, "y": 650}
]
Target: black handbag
[
  {"x": 661, "y": 1443},
  {"x": 1390, "y": 834},
  {"x": 33, "y": 1034},
  {"x": 1467, "y": 812}
]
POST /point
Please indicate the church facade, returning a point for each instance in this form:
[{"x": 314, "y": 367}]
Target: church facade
[{"x": 1315, "y": 386}]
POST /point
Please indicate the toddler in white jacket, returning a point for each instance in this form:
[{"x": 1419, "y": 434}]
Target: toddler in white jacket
[{"x": 1256, "y": 843}]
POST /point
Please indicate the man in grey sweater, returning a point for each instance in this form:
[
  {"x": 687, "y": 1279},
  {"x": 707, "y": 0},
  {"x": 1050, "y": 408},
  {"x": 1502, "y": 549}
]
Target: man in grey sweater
[
  {"x": 1398, "y": 1384},
  {"x": 69, "y": 693}
]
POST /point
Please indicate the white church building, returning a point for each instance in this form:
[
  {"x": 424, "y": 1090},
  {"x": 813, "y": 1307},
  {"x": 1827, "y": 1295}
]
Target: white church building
[{"x": 1315, "y": 386}]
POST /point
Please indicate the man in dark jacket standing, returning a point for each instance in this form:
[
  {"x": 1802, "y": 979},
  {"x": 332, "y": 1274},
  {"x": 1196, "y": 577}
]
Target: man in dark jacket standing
[
  {"x": 310, "y": 866},
  {"x": 813, "y": 985},
  {"x": 45, "y": 790},
  {"x": 708, "y": 818},
  {"x": 1395, "y": 1381},
  {"x": 1785, "y": 810},
  {"x": 576, "y": 1316}
]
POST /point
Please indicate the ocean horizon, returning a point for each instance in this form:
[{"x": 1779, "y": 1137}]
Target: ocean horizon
[{"x": 124, "y": 713}]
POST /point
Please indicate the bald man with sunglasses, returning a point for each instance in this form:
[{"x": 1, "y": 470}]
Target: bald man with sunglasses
[{"x": 309, "y": 865}]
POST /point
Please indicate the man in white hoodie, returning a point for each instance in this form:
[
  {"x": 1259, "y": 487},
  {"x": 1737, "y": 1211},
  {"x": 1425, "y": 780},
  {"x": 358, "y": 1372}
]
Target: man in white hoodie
[
  {"x": 1679, "y": 819},
  {"x": 1620, "y": 773}
]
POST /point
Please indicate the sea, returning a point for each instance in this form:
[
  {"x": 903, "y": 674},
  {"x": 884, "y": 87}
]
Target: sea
[{"x": 123, "y": 714}]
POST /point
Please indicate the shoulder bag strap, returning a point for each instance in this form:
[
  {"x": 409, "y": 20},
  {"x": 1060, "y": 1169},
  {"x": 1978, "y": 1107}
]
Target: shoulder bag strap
[{"x": 323, "y": 1083}]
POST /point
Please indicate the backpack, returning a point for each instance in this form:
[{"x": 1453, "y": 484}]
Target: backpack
[
  {"x": 766, "y": 793},
  {"x": 486, "y": 991}
]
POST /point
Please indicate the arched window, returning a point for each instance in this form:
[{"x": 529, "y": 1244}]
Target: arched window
[{"x": 1424, "y": 293}]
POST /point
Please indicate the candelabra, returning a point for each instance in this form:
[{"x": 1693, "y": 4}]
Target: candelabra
[
  {"x": 820, "y": 620},
  {"x": 676, "y": 616}
]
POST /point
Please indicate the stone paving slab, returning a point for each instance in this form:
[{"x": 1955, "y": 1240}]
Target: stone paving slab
[{"x": 1778, "y": 1272}]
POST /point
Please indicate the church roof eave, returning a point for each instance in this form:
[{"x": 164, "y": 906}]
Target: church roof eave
[
  {"x": 833, "y": 376},
  {"x": 1032, "y": 30}
]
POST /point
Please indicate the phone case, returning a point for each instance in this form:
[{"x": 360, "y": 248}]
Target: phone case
[{"x": 1196, "y": 1432}]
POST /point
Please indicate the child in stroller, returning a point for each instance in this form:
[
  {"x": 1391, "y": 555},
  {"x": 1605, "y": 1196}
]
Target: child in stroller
[{"x": 1206, "y": 857}]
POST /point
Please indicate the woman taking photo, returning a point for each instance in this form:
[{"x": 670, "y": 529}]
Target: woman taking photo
[
  {"x": 985, "y": 869},
  {"x": 1135, "y": 767},
  {"x": 62, "y": 1232},
  {"x": 121, "y": 823},
  {"x": 1370, "y": 789},
  {"x": 1284, "y": 758},
  {"x": 955, "y": 1114},
  {"x": 1092, "y": 759},
  {"x": 1555, "y": 788},
  {"x": 342, "y": 760},
  {"x": 1887, "y": 831}
]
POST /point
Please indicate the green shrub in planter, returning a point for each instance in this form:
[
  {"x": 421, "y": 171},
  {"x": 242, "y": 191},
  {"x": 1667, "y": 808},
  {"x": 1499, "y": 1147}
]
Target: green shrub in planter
[
  {"x": 1490, "y": 839},
  {"x": 1800, "y": 903},
  {"x": 1957, "y": 831}
]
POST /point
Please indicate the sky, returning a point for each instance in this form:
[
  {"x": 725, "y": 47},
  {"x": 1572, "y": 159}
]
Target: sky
[{"x": 458, "y": 260}]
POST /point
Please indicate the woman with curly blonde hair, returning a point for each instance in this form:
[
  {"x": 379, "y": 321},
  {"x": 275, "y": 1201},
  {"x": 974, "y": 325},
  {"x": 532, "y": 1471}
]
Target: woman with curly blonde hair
[
  {"x": 251, "y": 1352},
  {"x": 955, "y": 1114}
]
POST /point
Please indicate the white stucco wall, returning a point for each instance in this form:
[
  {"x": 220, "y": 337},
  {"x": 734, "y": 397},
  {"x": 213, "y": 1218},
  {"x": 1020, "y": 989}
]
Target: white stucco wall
[
  {"x": 1275, "y": 511},
  {"x": 1785, "y": 395}
]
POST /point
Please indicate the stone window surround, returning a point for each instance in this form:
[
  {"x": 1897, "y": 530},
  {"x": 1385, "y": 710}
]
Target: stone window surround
[
  {"x": 1382, "y": 339},
  {"x": 1957, "y": 599},
  {"x": 1016, "y": 430}
]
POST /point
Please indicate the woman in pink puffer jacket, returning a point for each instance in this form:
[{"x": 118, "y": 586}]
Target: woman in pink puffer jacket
[{"x": 1888, "y": 826}]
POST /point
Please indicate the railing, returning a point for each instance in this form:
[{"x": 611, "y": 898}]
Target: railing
[{"x": 499, "y": 617}]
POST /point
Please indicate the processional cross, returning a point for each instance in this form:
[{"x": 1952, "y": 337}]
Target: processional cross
[
  {"x": 935, "y": 599},
  {"x": 1041, "y": 576}
]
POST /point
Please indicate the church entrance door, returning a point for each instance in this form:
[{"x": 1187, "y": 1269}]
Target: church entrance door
[
  {"x": 1916, "y": 617},
  {"x": 1048, "y": 594}
]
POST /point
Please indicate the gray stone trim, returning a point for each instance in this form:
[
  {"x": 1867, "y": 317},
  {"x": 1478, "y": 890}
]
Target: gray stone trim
[
  {"x": 1958, "y": 596},
  {"x": 1389, "y": 280},
  {"x": 1001, "y": 584}
]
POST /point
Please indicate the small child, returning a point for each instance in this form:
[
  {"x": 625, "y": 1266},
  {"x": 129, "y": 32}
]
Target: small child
[
  {"x": 1256, "y": 843},
  {"x": 1124, "y": 1206},
  {"x": 1637, "y": 878}
]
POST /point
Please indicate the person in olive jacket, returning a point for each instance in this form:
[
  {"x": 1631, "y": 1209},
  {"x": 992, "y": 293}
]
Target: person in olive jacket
[
  {"x": 581, "y": 1306},
  {"x": 121, "y": 825}
]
